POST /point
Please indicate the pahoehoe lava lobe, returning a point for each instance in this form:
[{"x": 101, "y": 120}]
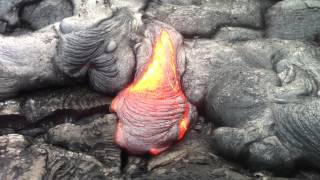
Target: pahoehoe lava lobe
[
  {"x": 101, "y": 53},
  {"x": 153, "y": 111}
]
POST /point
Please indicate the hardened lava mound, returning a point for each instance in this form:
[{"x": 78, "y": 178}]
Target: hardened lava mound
[{"x": 153, "y": 111}]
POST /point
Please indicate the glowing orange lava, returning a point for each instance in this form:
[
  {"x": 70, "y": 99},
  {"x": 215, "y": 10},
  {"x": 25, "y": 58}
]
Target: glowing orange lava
[
  {"x": 157, "y": 72},
  {"x": 159, "y": 82}
]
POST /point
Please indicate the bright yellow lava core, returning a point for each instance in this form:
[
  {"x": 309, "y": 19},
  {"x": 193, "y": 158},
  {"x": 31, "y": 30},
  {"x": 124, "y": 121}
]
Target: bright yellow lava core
[{"x": 161, "y": 69}]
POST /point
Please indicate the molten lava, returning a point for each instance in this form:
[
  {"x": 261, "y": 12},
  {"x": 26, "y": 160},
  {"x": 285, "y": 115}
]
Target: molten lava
[{"x": 153, "y": 112}]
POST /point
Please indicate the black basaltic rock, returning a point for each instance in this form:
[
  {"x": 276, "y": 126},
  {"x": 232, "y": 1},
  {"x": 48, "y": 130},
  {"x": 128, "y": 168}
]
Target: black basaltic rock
[
  {"x": 294, "y": 19},
  {"x": 191, "y": 158},
  {"x": 46, "y": 12},
  {"x": 19, "y": 159},
  {"x": 94, "y": 136},
  {"x": 62, "y": 103},
  {"x": 77, "y": 99}
]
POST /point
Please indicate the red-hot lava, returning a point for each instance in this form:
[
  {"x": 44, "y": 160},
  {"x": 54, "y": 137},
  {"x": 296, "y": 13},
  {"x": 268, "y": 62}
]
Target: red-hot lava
[{"x": 153, "y": 111}]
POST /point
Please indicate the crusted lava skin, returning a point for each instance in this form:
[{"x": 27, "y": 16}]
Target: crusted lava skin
[{"x": 153, "y": 111}]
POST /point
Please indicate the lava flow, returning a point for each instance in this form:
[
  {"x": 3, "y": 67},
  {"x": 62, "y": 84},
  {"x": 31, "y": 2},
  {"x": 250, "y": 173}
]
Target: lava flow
[{"x": 153, "y": 111}]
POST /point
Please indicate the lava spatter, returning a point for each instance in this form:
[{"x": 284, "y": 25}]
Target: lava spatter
[{"x": 153, "y": 111}]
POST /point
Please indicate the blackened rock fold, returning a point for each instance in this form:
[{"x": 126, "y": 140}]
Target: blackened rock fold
[
  {"x": 94, "y": 137},
  {"x": 41, "y": 161},
  {"x": 51, "y": 106},
  {"x": 78, "y": 99}
]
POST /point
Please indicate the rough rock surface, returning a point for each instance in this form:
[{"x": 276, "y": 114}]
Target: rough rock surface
[
  {"x": 191, "y": 158},
  {"x": 251, "y": 67},
  {"x": 101, "y": 53},
  {"x": 86, "y": 13},
  {"x": 29, "y": 66},
  {"x": 71, "y": 100},
  {"x": 237, "y": 34},
  {"x": 133, "y": 5},
  {"x": 258, "y": 130},
  {"x": 52, "y": 9},
  {"x": 3, "y": 27},
  {"x": 66, "y": 102},
  {"x": 9, "y": 10},
  {"x": 95, "y": 138},
  {"x": 207, "y": 17},
  {"x": 22, "y": 160},
  {"x": 294, "y": 19},
  {"x": 58, "y": 53}
]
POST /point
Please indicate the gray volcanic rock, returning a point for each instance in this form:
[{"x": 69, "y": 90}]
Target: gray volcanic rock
[
  {"x": 85, "y": 14},
  {"x": 133, "y": 5},
  {"x": 52, "y": 56},
  {"x": 264, "y": 126},
  {"x": 294, "y": 19},
  {"x": 308, "y": 175},
  {"x": 93, "y": 9},
  {"x": 94, "y": 137},
  {"x": 237, "y": 34},
  {"x": 10, "y": 107},
  {"x": 55, "y": 104},
  {"x": 241, "y": 82},
  {"x": 14, "y": 155},
  {"x": 205, "y": 60},
  {"x": 45, "y": 162},
  {"x": 192, "y": 158},
  {"x": 64, "y": 164},
  {"x": 206, "y": 18},
  {"x": 26, "y": 63},
  {"x": 180, "y": 2},
  {"x": 6, "y": 131},
  {"x": 76, "y": 99},
  {"x": 101, "y": 53},
  {"x": 46, "y": 12},
  {"x": 3, "y": 27},
  {"x": 298, "y": 128},
  {"x": 11, "y": 115},
  {"x": 9, "y": 10}
]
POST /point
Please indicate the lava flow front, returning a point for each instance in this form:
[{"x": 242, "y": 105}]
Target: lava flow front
[{"x": 153, "y": 111}]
